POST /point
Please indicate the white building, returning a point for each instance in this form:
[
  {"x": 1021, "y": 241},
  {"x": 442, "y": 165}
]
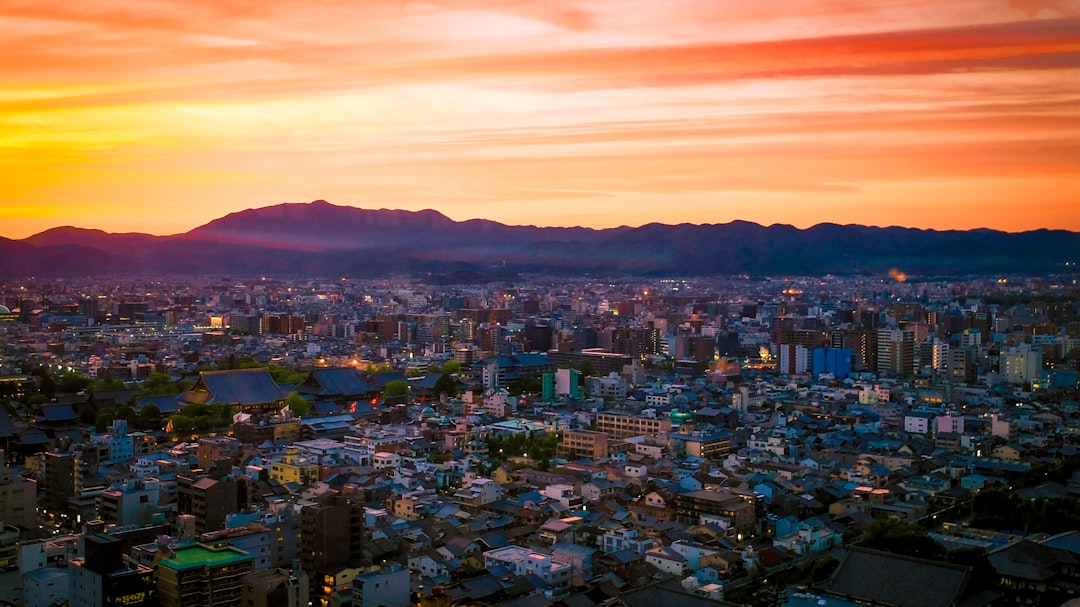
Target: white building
[
  {"x": 1021, "y": 364},
  {"x": 523, "y": 561},
  {"x": 918, "y": 422}
]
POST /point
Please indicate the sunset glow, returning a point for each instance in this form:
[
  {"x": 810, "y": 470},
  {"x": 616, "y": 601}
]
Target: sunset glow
[{"x": 158, "y": 116}]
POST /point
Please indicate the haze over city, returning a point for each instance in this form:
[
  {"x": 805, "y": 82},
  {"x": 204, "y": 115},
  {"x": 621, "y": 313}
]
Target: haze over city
[{"x": 158, "y": 116}]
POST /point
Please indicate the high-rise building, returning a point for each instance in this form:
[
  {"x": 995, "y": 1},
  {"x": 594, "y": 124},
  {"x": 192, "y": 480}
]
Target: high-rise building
[
  {"x": 1021, "y": 364},
  {"x": 896, "y": 352},
  {"x": 60, "y": 482},
  {"x": 962, "y": 365},
  {"x": 331, "y": 533},
  {"x": 198, "y": 575},
  {"x": 835, "y": 361},
  {"x": 18, "y": 498},
  {"x": 209, "y": 499},
  {"x": 101, "y": 576}
]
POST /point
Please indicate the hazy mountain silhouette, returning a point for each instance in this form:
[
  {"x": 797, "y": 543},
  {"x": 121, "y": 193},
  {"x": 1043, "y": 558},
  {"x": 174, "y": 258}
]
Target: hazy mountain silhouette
[{"x": 321, "y": 239}]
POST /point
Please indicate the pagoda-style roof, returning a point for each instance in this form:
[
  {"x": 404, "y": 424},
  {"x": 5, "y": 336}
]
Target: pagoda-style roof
[{"x": 246, "y": 388}]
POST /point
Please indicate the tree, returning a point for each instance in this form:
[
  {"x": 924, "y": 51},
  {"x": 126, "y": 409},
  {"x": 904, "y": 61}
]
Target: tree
[
  {"x": 195, "y": 410},
  {"x": 445, "y": 385},
  {"x": 73, "y": 382},
  {"x": 104, "y": 419},
  {"x": 149, "y": 417},
  {"x": 823, "y": 568},
  {"x": 127, "y": 414},
  {"x": 769, "y": 595},
  {"x": 586, "y": 368},
  {"x": 299, "y": 405},
  {"x": 902, "y": 538},
  {"x": 440, "y": 458},
  {"x": 396, "y": 391},
  {"x": 106, "y": 384},
  {"x": 284, "y": 375},
  {"x": 525, "y": 385},
  {"x": 159, "y": 384}
]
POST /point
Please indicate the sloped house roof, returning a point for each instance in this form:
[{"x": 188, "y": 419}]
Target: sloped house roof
[
  {"x": 248, "y": 389},
  {"x": 881, "y": 578},
  {"x": 337, "y": 383}
]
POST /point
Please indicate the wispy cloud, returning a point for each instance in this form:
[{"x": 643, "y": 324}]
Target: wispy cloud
[{"x": 889, "y": 112}]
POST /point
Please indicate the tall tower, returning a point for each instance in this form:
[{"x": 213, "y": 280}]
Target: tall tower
[{"x": 896, "y": 352}]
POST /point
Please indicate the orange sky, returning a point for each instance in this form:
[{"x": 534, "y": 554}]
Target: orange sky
[{"x": 158, "y": 116}]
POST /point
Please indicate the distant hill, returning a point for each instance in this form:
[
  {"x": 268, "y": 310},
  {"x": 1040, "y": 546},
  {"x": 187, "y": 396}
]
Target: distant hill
[{"x": 322, "y": 239}]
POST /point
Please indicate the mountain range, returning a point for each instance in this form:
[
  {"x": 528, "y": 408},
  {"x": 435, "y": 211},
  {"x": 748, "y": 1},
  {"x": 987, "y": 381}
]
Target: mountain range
[{"x": 320, "y": 239}]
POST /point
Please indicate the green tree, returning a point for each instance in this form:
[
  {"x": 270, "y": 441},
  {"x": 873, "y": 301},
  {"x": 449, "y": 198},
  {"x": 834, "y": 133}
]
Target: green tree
[
  {"x": 195, "y": 410},
  {"x": 36, "y": 400},
  {"x": 159, "y": 384},
  {"x": 73, "y": 382},
  {"x": 823, "y": 568},
  {"x": 586, "y": 368},
  {"x": 445, "y": 385},
  {"x": 451, "y": 367},
  {"x": 440, "y": 458},
  {"x": 106, "y": 384},
  {"x": 149, "y": 417},
  {"x": 104, "y": 419},
  {"x": 299, "y": 405},
  {"x": 396, "y": 391},
  {"x": 127, "y": 414},
  {"x": 285, "y": 375},
  {"x": 903, "y": 538}
]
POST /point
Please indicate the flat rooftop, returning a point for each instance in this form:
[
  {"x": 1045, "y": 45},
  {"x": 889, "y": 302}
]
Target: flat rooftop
[{"x": 190, "y": 557}]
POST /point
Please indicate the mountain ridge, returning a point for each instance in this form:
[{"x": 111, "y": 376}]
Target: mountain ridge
[{"x": 323, "y": 239}]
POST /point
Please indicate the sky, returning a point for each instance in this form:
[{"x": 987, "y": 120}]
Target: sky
[{"x": 158, "y": 116}]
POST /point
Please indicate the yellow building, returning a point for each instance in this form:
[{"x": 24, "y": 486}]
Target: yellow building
[{"x": 294, "y": 469}]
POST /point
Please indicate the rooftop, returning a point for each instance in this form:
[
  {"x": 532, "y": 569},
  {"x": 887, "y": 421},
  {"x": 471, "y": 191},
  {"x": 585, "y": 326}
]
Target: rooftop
[{"x": 200, "y": 555}]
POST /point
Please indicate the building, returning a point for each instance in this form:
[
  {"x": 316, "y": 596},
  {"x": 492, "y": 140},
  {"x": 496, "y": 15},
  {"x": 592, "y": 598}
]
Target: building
[
  {"x": 342, "y": 385},
  {"x": 387, "y": 587},
  {"x": 709, "y": 445},
  {"x": 869, "y": 577},
  {"x": 919, "y": 422},
  {"x": 620, "y": 424},
  {"x": 961, "y": 365},
  {"x": 792, "y": 358},
  {"x": 331, "y": 533},
  {"x": 577, "y": 444},
  {"x": 215, "y": 448},
  {"x": 132, "y": 502},
  {"x": 18, "y": 498},
  {"x": 102, "y": 577},
  {"x": 295, "y": 469},
  {"x": 1020, "y": 365},
  {"x": 738, "y": 509},
  {"x": 556, "y": 575},
  {"x": 199, "y": 575},
  {"x": 832, "y": 361},
  {"x": 275, "y": 588},
  {"x": 896, "y": 352},
  {"x": 60, "y": 480},
  {"x": 209, "y": 499},
  {"x": 250, "y": 390}
]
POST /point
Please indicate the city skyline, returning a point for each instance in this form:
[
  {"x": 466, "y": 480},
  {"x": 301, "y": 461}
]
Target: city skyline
[{"x": 160, "y": 117}]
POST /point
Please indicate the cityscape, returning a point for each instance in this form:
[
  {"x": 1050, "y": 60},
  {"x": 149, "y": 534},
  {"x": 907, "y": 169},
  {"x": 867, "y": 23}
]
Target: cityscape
[
  {"x": 544, "y": 440},
  {"x": 555, "y": 303}
]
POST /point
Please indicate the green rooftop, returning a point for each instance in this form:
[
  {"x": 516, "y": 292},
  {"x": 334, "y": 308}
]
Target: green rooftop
[{"x": 200, "y": 555}]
